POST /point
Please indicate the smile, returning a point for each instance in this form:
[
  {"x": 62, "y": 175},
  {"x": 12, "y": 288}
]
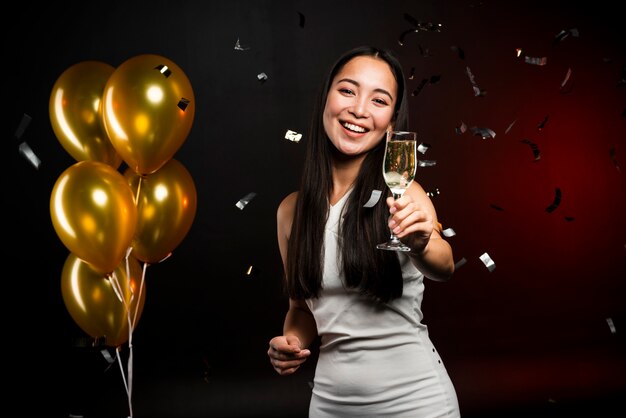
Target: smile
[{"x": 353, "y": 127}]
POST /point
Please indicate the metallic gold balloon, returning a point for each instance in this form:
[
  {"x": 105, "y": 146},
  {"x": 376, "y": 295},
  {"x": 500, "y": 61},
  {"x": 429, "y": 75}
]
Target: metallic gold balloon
[
  {"x": 166, "y": 207},
  {"x": 148, "y": 111},
  {"x": 76, "y": 112},
  {"x": 93, "y": 212},
  {"x": 97, "y": 305}
]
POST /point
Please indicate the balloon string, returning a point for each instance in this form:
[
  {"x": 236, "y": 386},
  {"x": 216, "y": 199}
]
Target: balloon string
[
  {"x": 143, "y": 277},
  {"x": 119, "y": 361}
]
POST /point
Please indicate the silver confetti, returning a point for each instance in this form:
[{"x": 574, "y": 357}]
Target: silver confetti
[
  {"x": 426, "y": 163},
  {"x": 245, "y": 200},
  {"x": 262, "y": 76},
  {"x": 488, "y": 262},
  {"x": 483, "y": 132},
  {"x": 509, "y": 127},
  {"x": 239, "y": 47},
  {"x": 461, "y": 129},
  {"x": 423, "y": 147},
  {"x": 448, "y": 232},
  {"x": 536, "y": 60},
  {"x": 374, "y": 198},
  {"x": 293, "y": 136},
  {"x": 28, "y": 153},
  {"x": 23, "y": 125},
  {"x": 609, "y": 321}
]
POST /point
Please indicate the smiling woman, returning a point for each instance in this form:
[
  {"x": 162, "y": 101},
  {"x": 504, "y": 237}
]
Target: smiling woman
[{"x": 375, "y": 356}]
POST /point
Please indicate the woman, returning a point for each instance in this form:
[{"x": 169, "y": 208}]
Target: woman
[{"x": 375, "y": 358}]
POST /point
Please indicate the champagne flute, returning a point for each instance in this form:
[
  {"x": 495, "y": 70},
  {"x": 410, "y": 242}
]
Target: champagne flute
[{"x": 399, "y": 168}]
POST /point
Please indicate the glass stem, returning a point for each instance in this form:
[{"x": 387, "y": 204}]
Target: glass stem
[{"x": 393, "y": 237}]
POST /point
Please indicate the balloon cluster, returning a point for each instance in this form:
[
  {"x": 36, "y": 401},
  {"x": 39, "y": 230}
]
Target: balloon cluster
[{"x": 139, "y": 113}]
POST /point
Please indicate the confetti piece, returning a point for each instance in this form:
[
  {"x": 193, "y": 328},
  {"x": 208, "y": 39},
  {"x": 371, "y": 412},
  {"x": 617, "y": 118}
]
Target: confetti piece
[
  {"x": 460, "y": 263},
  {"x": 419, "y": 87},
  {"x": 252, "y": 271},
  {"x": 518, "y": 52},
  {"x": 448, "y": 232},
  {"x": 418, "y": 26},
  {"x": 496, "y": 207},
  {"x": 164, "y": 69},
  {"x": 374, "y": 198},
  {"x": 432, "y": 193},
  {"x": 534, "y": 147},
  {"x": 557, "y": 201},
  {"x": 488, "y": 262},
  {"x": 458, "y": 51},
  {"x": 614, "y": 158},
  {"x": 262, "y": 77},
  {"x": 483, "y": 132},
  {"x": 293, "y": 136},
  {"x": 567, "y": 84},
  {"x": 541, "y": 61},
  {"x": 302, "y": 19},
  {"x": 24, "y": 122},
  {"x": 183, "y": 103},
  {"x": 434, "y": 79},
  {"x": 426, "y": 163},
  {"x": 564, "y": 34},
  {"x": 477, "y": 91},
  {"x": 28, "y": 153},
  {"x": 239, "y": 47},
  {"x": 609, "y": 321},
  {"x": 543, "y": 123},
  {"x": 423, "y": 147},
  {"x": 107, "y": 356},
  {"x": 509, "y": 127},
  {"x": 245, "y": 200},
  {"x": 461, "y": 129},
  {"x": 569, "y": 219},
  {"x": 412, "y": 75}
]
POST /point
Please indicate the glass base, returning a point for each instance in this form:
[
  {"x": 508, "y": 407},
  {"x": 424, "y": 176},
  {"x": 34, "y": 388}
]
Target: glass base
[{"x": 393, "y": 246}]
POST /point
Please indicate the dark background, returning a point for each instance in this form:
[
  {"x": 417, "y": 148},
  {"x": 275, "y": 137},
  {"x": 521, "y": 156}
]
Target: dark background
[{"x": 531, "y": 338}]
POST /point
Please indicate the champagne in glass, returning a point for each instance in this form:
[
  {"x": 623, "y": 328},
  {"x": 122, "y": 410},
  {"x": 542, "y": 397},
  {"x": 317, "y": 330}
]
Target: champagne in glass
[{"x": 399, "y": 168}]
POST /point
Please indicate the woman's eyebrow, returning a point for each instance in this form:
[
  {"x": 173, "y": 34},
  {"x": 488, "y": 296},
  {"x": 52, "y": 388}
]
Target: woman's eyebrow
[{"x": 356, "y": 83}]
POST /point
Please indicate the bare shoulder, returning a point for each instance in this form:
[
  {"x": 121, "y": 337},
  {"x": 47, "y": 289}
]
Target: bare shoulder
[{"x": 287, "y": 207}]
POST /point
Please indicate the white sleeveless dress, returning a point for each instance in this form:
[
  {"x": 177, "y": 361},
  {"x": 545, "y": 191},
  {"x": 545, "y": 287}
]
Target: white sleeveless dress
[{"x": 375, "y": 360}]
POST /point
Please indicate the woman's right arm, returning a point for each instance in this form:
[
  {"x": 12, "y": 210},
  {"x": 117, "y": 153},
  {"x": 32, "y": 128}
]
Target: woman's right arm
[{"x": 288, "y": 351}]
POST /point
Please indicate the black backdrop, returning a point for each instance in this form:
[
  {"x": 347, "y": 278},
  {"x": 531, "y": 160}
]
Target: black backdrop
[{"x": 542, "y": 334}]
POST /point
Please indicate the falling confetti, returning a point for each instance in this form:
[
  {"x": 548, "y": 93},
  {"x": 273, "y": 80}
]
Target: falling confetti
[
  {"x": 557, "y": 201},
  {"x": 448, "y": 232},
  {"x": 293, "y": 136},
  {"x": 461, "y": 129},
  {"x": 541, "y": 61},
  {"x": 509, "y": 127},
  {"x": 374, "y": 198},
  {"x": 542, "y": 124},
  {"x": 426, "y": 163},
  {"x": 252, "y": 271},
  {"x": 418, "y": 26},
  {"x": 245, "y": 200},
  {"x": 567, "y": 84},
  {"x": 423, "y": 147},
  {"x": 534, "y": 147},
  {"x": 488, "y": 262},
  {"x": 609, "y": 321},
  {"x": 569, "y": 219},
  {"x": 614, "y": 158},
  {"x": 483, "y": 132},
  {"x": 564, "y": 34},
  {"x": 239, "y": 47},
  {"x": 496, "y": 207},
  {"x": 412, "y": 75},
  {"x": 28, "y": 153},
  {"x": 419, "y": 87},
  {"x": 477, "y": 91},
  {"x": 262, "y": 77},
  {"x": 24, "y": 122}
]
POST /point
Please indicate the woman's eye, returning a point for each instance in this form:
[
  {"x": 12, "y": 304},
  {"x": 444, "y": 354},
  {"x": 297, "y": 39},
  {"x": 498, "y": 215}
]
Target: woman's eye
[
  {"x": 346, "y": 91},
  {"x": 380, "y": 101}
]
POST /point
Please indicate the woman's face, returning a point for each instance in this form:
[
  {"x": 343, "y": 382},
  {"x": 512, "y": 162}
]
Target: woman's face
[{"x": 360, "y": 105}]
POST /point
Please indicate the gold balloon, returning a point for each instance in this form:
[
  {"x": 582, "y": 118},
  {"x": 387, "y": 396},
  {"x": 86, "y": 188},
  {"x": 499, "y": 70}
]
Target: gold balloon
[
  {"x": 166, "y": 207},
  {"x": 76, "y": 113},
  {"x": 93, "y": 299},
  {"x": 148, "y": 111},
  {"x": 93, "y": 212}
]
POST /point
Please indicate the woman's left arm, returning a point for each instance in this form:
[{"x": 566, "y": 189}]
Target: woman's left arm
[{"x": 414, "y": 220}]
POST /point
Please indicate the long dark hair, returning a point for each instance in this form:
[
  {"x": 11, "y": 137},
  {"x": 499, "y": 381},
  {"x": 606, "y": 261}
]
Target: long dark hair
[{"x": 372, "y": 271}]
